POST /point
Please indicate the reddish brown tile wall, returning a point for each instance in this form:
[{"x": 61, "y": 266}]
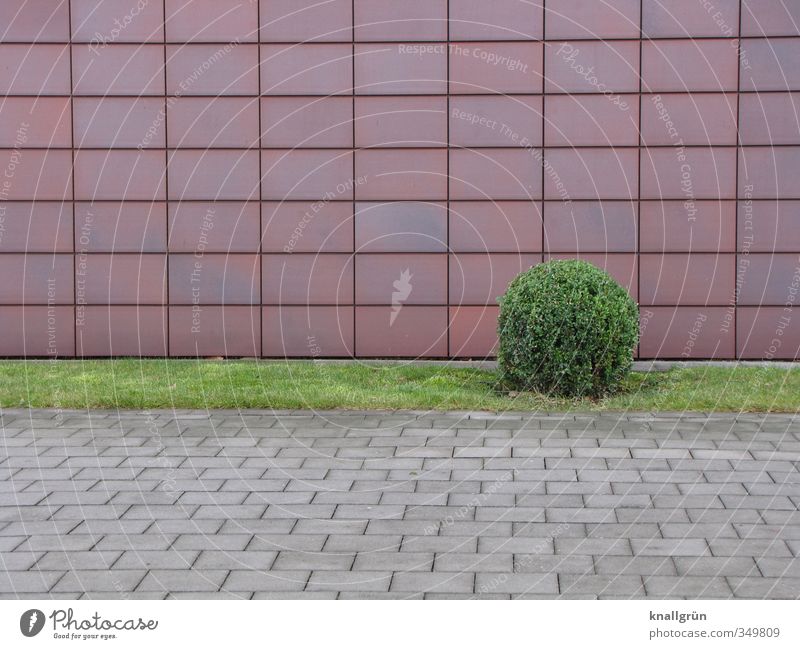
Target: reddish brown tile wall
[{"x": 364, "y": 177}]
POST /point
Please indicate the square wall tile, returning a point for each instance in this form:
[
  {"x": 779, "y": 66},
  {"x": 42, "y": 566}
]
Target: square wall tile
[
  {"x": 687, "y": 333},
  {"x": 591, "y": 120},
  {"x": 307, "y": 175},
  {"x": 495, "y": 67},
  {"x": 769, "y": 172},
  {"x": 691, "y": 280},
  {"x": 212, "y": 69},
  {"x": 303, "y": 279},
  {"x": 688, "y": 18},
  {"x": 32, "y": 21},
  {"x": 498, "y": 20},
  {"x": 768, "y": 279},
  {"x": 36, "y": 175},
  {"x": 34, "y": 69},
  {"x": 481, "y": 279},
  {"x": 607, "y": 226},
  {"x": 699, "y": 119},
  {"x": 686, "y": 65},
  {"x": 770, "y": 64},
  {"x": 500, "y": 121},
  {"x": 400, "y": 279},
  {"x": 227, "y": 331},
  {"x": 97, "y": 22},
  {"x": 35, "y": 122},
  {"x": 693, "y": 226},
  {"x": 769, "y": 118},
  {"x": 301, "y": 226},
  {"x": 211, "y": 20},
  {"x": 486, "y": 174},
  {"x": 127, "y": 279},
  {"x": 306, "y": 69},
  {"x": 769, "y": 226},
  {"x": 213, "y": 175},
  {"x": 304, "y": 122},
  {"x": 407, "y": 332},
  {"x": 296, "y": 21},
  {"x": 591, "y": 174},
  {"x": 122, "y": 331},
  {"x": 401, "y": 69},
  {"x": 36, "y": 279},
  {"x": 591, "y": 19},
  {"x": 209, "y": 278},
  {"x": 36, "y": 227},
  {"x": 401, "y": 226},
  {"x": 389, "y": 20},
  {"x": 473, "y": 331},
  {"x": 213, "y": 227},
  {"x": 300, "y": 331},
  {"x": 120, "y": 175},
  {"x": 119, "y": 122},
  {"x": 118, "y": 69},
  {"x": 768, "y": 333},
  {"x": 770, "y": 18},
  {"x": 32, "y": 331},
  {"x": 594, "y": 67},
  {"x": 688, "y": 173},
  {"x": 504, "y": 226},
  {"x": 120, "y": 227},
  {"x": 216, "y": 122},
  {"x": 398, "y": 174},
  {"x": 401, "y": 121}
]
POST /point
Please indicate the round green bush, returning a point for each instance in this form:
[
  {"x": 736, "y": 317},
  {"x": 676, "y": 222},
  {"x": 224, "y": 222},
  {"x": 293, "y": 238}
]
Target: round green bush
[{"x": 566, "y": 328}]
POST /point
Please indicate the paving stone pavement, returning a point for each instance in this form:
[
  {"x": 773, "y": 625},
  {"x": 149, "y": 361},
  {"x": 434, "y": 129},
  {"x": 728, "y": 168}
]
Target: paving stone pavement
[{"x": 264, "y": 504}]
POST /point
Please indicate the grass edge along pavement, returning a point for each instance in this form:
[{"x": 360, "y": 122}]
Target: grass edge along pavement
[{"x": 208, "y": 384}]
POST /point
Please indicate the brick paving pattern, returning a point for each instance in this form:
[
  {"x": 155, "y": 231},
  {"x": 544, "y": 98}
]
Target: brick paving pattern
[{"x": 262, "y": 504}]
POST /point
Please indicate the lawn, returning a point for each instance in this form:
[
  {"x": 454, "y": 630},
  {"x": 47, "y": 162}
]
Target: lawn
[{"x": 145, "y": 384}]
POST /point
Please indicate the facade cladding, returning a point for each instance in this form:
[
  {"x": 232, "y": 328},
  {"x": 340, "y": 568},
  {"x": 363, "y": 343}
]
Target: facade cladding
[{"x": 323, "y": 178}]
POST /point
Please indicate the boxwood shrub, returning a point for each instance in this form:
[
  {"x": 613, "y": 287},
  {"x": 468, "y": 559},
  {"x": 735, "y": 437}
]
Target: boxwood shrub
[{"x": 566, "y": 328}]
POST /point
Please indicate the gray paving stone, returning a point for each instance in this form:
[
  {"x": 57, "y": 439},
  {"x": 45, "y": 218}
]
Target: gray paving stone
[
  {"x": 628, "y": 565},
  {"x": 628, "y": 586},
  {"x": 266, "y": 581},
  {"x": 156, "y": 559},
  {"x": 473, "y": 562},
  {"x": 58, "y": 560},
  {"x": 235, "y": 560},
  {"x": 186, "y": 581},
  {"x": 352, "y": 580},
  {"x": 102, "y": 580},
  {"x": 289, "y": 560},
  {"x": 433, "y": 582},
  {"x": 716, "y": 566},
  {"x": 394, "y": 561},
  {"x": 670, "y": 587},
  {"x": 670, "y": 547},
  {"x": 765, "y": 588},
  {"x": 516, "y": 583}
]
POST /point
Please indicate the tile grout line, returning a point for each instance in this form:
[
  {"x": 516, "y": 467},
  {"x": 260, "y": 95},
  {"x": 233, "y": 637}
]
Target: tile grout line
[
  {"x": 736, "y": 288},
  {"x": 353, "y": 163},
  {"x": 448, "y": 213},
  {"x": 167, "y": 308},
  {"x": 72, "y": 180},
  {"x": 544, "y": 129},
  {"x": 261, "y": 233},
  {"x": 638, "y": 256}
]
